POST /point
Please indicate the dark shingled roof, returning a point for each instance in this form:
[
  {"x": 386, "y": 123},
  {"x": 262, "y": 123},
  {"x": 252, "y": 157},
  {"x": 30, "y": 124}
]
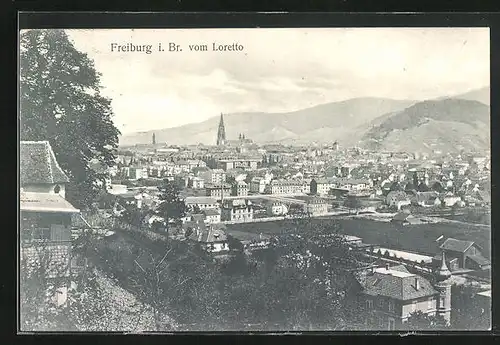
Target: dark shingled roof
[
  {"x": 478, "y": 259},
  {"x": 38, "y": 164},
  {"x": 456, "y": 245},
  {"x": 397, "y": 283}
]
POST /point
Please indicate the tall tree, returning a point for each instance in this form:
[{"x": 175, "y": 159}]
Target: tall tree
[
  {"x": 60, "y": 101},
  {"x": 171, "y": 207}
]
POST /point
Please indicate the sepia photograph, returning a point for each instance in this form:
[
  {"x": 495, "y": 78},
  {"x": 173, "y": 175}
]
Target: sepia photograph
[{"x": 254, "y": 180}]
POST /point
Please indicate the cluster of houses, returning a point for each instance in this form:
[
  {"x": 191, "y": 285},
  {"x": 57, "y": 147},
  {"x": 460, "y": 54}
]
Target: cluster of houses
[{"x": 388, "y": 293}]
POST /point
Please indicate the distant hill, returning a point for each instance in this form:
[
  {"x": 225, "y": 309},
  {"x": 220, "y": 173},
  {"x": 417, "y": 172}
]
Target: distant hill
[
  {"x": 448, "y": 125},
  {"x": 481, "y": 95},
  {"x": 343, "y": 121}
]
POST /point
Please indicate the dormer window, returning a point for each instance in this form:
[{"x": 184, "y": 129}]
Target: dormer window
[{"x": 57, "y": 189}]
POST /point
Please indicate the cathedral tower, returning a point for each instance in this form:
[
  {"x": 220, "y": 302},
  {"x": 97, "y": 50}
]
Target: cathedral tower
[
  {"x": 221, "y": 133},
  {"x": 154, "y": 139}
]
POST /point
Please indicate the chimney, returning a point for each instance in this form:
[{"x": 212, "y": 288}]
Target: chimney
[{"x": 417, "y": 284}]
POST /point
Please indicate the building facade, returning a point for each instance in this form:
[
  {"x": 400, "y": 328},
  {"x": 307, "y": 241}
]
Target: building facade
[
  {"x": 45, "y": 216},
  {"x": 237, "y": 211},
  {"x": 218, "y": 191}
]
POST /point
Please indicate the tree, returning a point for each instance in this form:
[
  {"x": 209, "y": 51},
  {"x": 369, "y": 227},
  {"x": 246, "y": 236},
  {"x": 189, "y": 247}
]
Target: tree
[
  {"x": 419, "y": 321},
  {"x": 60, "y": 101},
  {"x": 352, "y": 203},
  {"x": 466, "y": 312},
  {"x": 171, "y": 207}
]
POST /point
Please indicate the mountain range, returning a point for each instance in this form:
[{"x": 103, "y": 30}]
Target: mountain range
[{"x": 447, "y": 123}]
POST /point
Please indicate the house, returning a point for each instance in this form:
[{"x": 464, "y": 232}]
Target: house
[
  {"x": 316, "y": 207},
  {"x": 195, "y": 163},
  {"x": 245, "y": 163},
  {"x": 426, "y": 199},
  {"x": 45, "y": 215},
  {"x": 135, "y": 172},
  {"x": 240, "y": 188},
  {"x": 212, "y": 237},
  {"x": 238, "y": 210},
  {"x": 218, "y": 191},
  {"x": 276, "y": 209},
  {"x": 214, "y": 176},
  {"x": 287, "y": 187},
  {"x": 131, "y": 198},
  {"x": 468, "y": 254},
  {"x": 257, "y": 185},
  {"x": 212, "y": 216},
  {"x": 322, "y": 186},
  {"x": 390, "y": 294},
  {"x": 403, "y": 218},
  {"x": 196, "y": 183},
  {"x": 353, "y": 185},
  {"x": 397, "y": 199},
  {"x": 201, "y": 202}
]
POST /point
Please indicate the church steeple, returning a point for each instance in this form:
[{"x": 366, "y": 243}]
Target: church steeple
[
  {"x": 221, "y": 133},
  {"x": 443, "y": 273},
  {"x": 443, "y": 286}
]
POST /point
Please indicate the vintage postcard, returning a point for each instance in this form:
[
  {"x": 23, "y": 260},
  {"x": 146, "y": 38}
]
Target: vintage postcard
[{"x": 260, "y": 179}]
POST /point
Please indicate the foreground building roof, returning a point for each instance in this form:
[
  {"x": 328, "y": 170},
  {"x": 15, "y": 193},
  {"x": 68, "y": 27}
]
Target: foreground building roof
[
  {"x": 397, "y": 283},
  {"x": 455, "y": 245},
  {"x": 38, "y": 164}
]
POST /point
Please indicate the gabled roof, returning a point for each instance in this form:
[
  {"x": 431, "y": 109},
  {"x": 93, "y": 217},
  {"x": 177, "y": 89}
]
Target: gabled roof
[
  {"x": 38, "y": 164},
  {"x": 397, "y": 283},
  {"x": 456, "y": 245},
  {"x": 478, "y": 259},
  {"x": 205, "y": 234}
]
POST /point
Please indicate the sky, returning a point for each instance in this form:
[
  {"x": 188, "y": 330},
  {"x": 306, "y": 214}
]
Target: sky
[{"x": 279, "y": 70}]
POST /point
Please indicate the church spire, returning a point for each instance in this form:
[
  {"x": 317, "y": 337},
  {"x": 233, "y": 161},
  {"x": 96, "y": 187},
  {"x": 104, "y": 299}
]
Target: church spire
[
  {"x": 221, "y": 133},
  {"x": 443, "y": 272}
]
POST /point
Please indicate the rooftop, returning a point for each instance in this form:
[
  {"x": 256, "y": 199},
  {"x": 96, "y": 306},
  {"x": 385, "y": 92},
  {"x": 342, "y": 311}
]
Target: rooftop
[
  {"x": 38, "y": 164},
  {"x": 44, "y": 202},
  {"x": 404, "y": 255},
  {"x": 455, "y": 245},
  {"x": 397, "y": 283}
]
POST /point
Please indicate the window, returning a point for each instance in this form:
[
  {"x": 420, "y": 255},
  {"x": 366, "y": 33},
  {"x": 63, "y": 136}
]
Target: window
[
  {"x": 441, "y": 301},
  {"x": 369, "y": 304},
  {"x": 430, "y": 304},
  {"x": 391, "y": 306},
  {"x": 57, "y": 189},
  {"x": 380, "y": 303},
  {"x": 392, "y": 324}
]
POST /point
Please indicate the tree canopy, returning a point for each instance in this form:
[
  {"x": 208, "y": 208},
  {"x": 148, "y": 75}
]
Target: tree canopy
[
  {"x": 171, "y": 206},
  {"x": 60, "y": 101}
]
